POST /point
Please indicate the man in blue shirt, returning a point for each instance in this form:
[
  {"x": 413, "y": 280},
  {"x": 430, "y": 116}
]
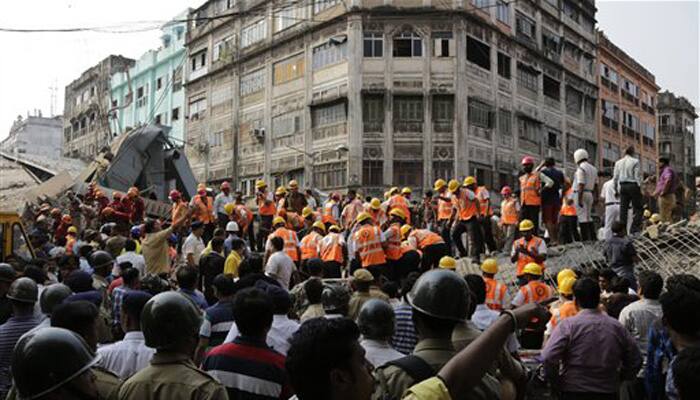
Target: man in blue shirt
[
  {"x": 187, "y": 278},
  {"x": 218, "y": 318}
]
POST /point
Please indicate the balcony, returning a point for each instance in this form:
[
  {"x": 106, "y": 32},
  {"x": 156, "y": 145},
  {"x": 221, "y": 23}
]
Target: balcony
[
  {"x": 198, "y": 73},
  {"x": 408, "y": 126},
  {"x": 630, "y": 97},
  {"x": 609, "y": 84},
  {"x": 443, "y": 126}
]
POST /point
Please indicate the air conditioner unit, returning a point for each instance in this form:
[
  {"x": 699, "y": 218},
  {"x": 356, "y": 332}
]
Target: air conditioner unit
[{"x": 259, "y": 133}]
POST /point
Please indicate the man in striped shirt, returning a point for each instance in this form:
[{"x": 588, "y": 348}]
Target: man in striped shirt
[
  {"x": 248, "y": 367},
  {"x": 218, "y": 318}
]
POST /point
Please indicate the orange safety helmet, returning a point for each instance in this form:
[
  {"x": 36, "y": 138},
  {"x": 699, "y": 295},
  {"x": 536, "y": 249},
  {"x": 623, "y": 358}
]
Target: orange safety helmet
[{"x": 66, "y": 219}]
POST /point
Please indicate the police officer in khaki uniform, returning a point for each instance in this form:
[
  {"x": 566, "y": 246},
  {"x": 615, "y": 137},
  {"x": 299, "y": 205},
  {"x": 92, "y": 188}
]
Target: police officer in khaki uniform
[
  {"x": 439, "y": 299},
  {"x": 170, "y": 323}
]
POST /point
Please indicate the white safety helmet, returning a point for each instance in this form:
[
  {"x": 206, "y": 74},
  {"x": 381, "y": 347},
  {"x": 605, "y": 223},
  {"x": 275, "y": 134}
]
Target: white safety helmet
[
  {"x": 232, "y": 226},
  {"x": 580, "y": 155}
]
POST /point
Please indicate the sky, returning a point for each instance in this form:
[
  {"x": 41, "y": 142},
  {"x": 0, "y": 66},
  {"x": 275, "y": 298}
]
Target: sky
[{"x": 662, "y": 35}]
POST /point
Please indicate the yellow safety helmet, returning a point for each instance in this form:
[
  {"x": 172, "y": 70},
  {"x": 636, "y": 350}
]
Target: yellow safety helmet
[
  {"x": 406, "y": 190},
  {"x": 405, "y": 230},
  {"x": 655, "y": 218},
  {"x": 259, "y": 184},
  {"x": 567, "y": 285},
  {"x": 397, "y": 212},
  {"x": 386, "y": 195},
  {"x": 526, "y": 225},
  {"x": 281, "y": 191},
  {"x": 453, "y": 185},
  {"x": 565, "y": 273},
  {"x": 229, "y": 208},
  {"x": 533, "y": 269},
  {"x": 393, "y": 191},
  {"x": 319, "y": 225},
  {"x": 306, "y": 211},
  {"x": 362, "y": 217},
  {"x": 470, "y": 180},
  {"x": 72, "y": 229},
  {"x": 278, "y": 221},
  {"x": 448, "y": 262},
  {"x": 334, "y": 228},
  {"x": 293, "y": 184},
  {"x": 375, "y": 204},
  {"x": 490, "y": 266},
  {"x": 647, "y": 214},
  {"x": 439, "y": 184}
]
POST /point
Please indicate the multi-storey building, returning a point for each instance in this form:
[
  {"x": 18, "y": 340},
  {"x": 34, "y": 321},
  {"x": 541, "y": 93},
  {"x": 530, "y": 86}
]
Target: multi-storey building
[
  {"x": 36, "y": 136},
  {"x": 627, "y": 93},
  {"x": 151, "y": 91},
  {"x": 373, "y": 93},
  {"x": 86, "y": 109},
  {"x": 677, "y": 134}
]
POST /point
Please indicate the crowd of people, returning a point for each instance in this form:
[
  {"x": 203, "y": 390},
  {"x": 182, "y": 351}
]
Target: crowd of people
[{"x": 348, "y": 298}]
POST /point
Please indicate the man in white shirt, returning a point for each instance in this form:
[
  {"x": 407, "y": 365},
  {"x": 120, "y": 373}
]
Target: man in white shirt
[
  {"x": 279, "y": 265},
  {"x": 627, "y": 180},
  {"x": 282, "y": 327},
  {"x": 194, "y": 245},
  {"x": 137, "y": 261},
  {"x": 585, "y": 188},
  {"x": 376, "y": 322},
  {"x": 130, "y": 355},
  {"x": 221, "y": 199},
  {"x": 611, "y": 199}
]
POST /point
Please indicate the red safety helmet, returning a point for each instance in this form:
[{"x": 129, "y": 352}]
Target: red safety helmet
[
  {"x": 527, "y": 160},
  {"x": 66, "y": 219},
  {"x": 175, "y": 195},
  {"x": 506, "y": 191}
]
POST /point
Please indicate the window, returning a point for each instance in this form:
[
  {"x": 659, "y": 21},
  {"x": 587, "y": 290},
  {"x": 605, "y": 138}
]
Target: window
[
  {"x": 373, "y": 44},
  {"x": 408, "y": 44},
  {"x": 551, "y": 43},
  {"x": 287, "y": 124},
  {"x": 611, "y": 153},
  {"x": 373, "y": 113},
  {"x": 482, "y": 173},
  {"x": 254, "y": 33},
  {"x": 648, "y": 133},
  {"x": 503, "y": 12},
  {"x": 408, "y": 108},
  {"x": 372, "y": 172},
  {"x": 139, "y": 92},
  {"x": 570, "y": 10},
  {"x": 480, "y": 114},
  {"x": 443, "y": 44},
  {"x": 630, "y": 123},
  {"x": 574, "y": 101},
  {"x": 478, "y": 53},
  {"x": 230, "y": 4},
  {"x": 216, "y": 139},
  {"x": 443, "y": 113},
  {"x": 320, "y": 5},
  {"x": 159, "y": 83},
  {"x": 328, "y": 115},
  {"x": 550, "y": 87},
  {"x": 664, "y": 120},
  {"x": 222, "y": 48},
  {"x": 141, "y": 96},
  {"x": 286, "y": 17},
  {"x": 608, "y": 77},
  {"x": 199, "y": 60},
  {"x": 553, "y": 139},
  {"x": 175, "y": 114},
  {"x": 528, "y": 130},
  {"x": 630, "y": 88},
  {"x": 158, "y": 119},
  {"x": 589, "y": 108},
  {"x": 610, "y": 114},
  {"x": 332, "y": 175},
  {"x": 288, "y": 70},
  {"x": 527, "y": 78},
  {"x": 525, "y": 27},
  {"x": 504, "y": 123},
  {"x": 253, "y": 82},
  {"x": 177, "y": 79},
  {"x": 503, "y": 65},
  {"x": 665, "y": 148},
  {"x": 408, "y": 173},
  {"x": 443, "y": 170},
  {"x": 329, "y": 53},
  {"x": 197, "y": 109},
  {"x": 481, "y": 4}
]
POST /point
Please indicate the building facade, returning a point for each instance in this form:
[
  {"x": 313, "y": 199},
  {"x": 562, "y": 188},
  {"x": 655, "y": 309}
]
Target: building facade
[
  {"x": 36, "y": 136},
  {"x": 369, "y": 93},
  {"x": 86, "y": 109},
  {"x": 151, "y": 91},
  {"x": 677, "y": 134},
  {"x": 627, "y": 116}
]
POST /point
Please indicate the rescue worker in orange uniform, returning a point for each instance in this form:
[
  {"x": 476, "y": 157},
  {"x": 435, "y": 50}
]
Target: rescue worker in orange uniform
[
  {"x": 179, "y": 205},
  {"x": 566, "y": 309},
  {"x": 310, "y": 217},
  {"x": 369, "y": 251},
  {"x": 291, "y": 242},
  {"x": 374, "y": 209},
  {"x": 138, "y": 205},
  {"x": 65, "y": 222},
  {"x": 444, "y": 209},
  {"x": 486, "y": 212},
  {"x": 102, "y": 200},
  {"x": 330, "y": 214},
  {"x": 71, "y": 239},
  {"x": 568, "y": 220},
  {"x": 281, "y": 198},
  {"x": 402, "y": 201},
  {"x": 353, "y": 208},
  {"x": 531, "y": 183},
  {"x": 528, "y": 249},
  {"x": 333, "y": 252},
  {"x": 245, "y": 219},
  {"x": 510, "y": 212},
  {"x": 311, "y": 242},
  {"x": 429, "y": 243},
  {"x": 496, "y": 292},
  {"x": 467, "y": 218},
  {"x": 266, "y": 210},
  {"x": 392, "y": 245},
  {"x": 535, "y": 291},
  {"x": 204, "y": 211}
]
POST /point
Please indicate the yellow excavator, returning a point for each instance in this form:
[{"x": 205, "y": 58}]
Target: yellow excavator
[{"x": 14, "y": 240}]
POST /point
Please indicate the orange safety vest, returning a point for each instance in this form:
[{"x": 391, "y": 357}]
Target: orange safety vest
[
  {"x": 484, "y": 203},
  {"x": 179, "y": 208},
  {"x": 406, "y": 247},
  {"x": 509, "y": 211},
  {"x": 425, "y": 238},
  {"x": 566, "y": 310},
  {"x": 378, "y": 216},
  {"x": 392, "y": 247},
  {"x": 266, "y": 207},
  {"x": 567, "y": 209},
  {"x": 244, "y": 223},
  {"x": 495, "y": 294},
  {"x": 535, "y": 291},
  {"x": 331, "y": 249},
  {"x": 204, "y": 209},
  {"x": 523, "y": 259},
  {"x": 466, "y": 207},
  {"x": 70, "y": 242},
  {"x": 530, "y": 185},
  {"x": 309, "y": 245},
  {"x": 444, "y": 207},
  {"x": 328, "y": 217},
  {"x": 351, "y": 211},
  {"x": 369, "y": 246},
  {"x": 290, "y": 242},
  {"x": 294, "y": 221},
  {"x": 398, "y": 201}
]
